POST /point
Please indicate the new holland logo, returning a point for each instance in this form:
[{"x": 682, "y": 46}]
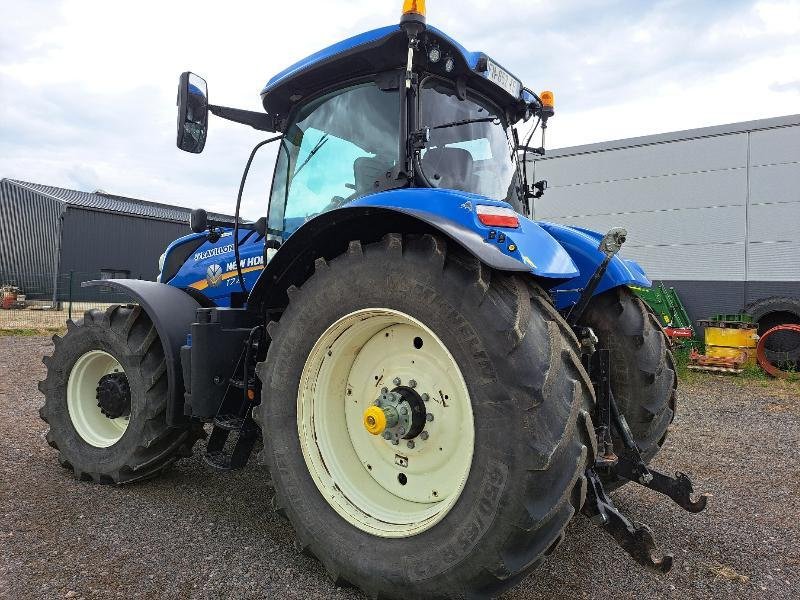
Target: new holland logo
[{"x": 214, "y": 275}]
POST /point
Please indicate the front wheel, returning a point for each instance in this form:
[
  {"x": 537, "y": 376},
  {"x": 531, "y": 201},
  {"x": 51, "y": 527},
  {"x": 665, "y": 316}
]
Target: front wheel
[
  {"x": 423, "y": 420},
  {"x": 106, "y": 399}
]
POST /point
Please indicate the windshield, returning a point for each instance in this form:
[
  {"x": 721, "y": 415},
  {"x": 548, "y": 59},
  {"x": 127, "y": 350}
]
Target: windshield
[
  {"x": 335, "y": 149},
  {"x": 474, "y": 151}
]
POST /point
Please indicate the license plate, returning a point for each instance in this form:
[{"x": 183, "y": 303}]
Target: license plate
[{"x": 498, "y": 75}]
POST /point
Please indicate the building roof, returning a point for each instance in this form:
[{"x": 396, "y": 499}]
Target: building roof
[
  {"x": 105, "y": 202},
  {"x": 673, "y": 136}
]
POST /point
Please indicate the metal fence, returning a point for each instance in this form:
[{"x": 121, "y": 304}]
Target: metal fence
[{"x": 39, "y": 301}]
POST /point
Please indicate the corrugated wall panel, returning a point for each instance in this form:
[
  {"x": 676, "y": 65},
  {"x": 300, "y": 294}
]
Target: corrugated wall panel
[
  {"x": 703, "y": 154},
  {"x": 701, "y": 262},
  {"x": 771, "y": 184},
  {"x": 94, "y": 241},
  {"x": 774, "y": 215},
  {"x": 775, "y": 222},
  {"x": 776, "y": 261},
  {"x": 649, "y": 194},
  {"x": 28, "y": 240},
  {"x": 717, "y": 225},
  {"x": 772, "y": 146}
]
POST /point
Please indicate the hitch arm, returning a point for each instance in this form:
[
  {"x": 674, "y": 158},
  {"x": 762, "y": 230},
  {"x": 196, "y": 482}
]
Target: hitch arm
[
  {"x": 635, "y": 538},
  {"x": 629, "y": 464},
  {"x": 679, "y": 488}
]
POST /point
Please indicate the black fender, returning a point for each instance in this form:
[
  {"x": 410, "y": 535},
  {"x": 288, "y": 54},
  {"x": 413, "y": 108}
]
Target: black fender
[
  {"x": 328, "y": 234},
  {"x": 172, "y": 312}
]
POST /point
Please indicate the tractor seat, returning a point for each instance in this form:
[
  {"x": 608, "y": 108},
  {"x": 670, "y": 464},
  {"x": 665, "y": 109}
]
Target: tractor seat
[{"x": 451, "y": 168}]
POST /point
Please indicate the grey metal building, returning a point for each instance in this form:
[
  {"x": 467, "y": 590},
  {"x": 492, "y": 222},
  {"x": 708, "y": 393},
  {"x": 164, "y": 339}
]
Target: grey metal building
[
  {"x": 714, "y": 212},
  {"x": 47, "y": 232}
]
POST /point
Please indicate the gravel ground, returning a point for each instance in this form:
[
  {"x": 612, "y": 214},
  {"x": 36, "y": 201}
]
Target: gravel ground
[{"x": 195, "y": 534}]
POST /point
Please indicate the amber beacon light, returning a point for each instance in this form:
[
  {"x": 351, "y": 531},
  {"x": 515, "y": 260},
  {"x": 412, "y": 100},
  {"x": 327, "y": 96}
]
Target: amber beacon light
[
  {"x": 548, "y": 106},
  {"x": 414, "y": 7}
]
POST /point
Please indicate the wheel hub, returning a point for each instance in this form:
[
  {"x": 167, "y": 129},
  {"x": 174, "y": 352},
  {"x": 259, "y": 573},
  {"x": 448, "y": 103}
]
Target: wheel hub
[
  {"x": 114, "y": 395},
  {"x": 396, "y": 414}
]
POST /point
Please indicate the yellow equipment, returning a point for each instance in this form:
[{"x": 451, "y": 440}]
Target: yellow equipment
[{"x": 730, "y": 342}]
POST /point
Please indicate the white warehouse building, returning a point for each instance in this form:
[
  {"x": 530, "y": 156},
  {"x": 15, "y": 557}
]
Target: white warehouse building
[{"x": 713, "y": 212}]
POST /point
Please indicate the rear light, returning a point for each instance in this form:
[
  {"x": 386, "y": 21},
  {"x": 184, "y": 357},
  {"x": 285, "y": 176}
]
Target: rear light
[{"x": 497, "y": 216}]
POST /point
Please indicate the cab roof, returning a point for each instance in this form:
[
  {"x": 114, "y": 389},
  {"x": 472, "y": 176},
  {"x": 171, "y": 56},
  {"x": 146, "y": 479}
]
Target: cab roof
[{"x": 375, "y": 51}]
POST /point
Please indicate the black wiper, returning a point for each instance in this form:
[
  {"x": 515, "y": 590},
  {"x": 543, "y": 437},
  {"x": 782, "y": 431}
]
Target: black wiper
[
  {"x": 311, "y": 154},
  {"x": 467, "y": 122}
]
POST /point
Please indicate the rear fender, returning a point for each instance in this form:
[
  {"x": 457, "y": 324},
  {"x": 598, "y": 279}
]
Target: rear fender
[
  {"x": 172, "y": 312},
  {"x": 527, "y": 249},
  {"x": 581, "y": 244}
]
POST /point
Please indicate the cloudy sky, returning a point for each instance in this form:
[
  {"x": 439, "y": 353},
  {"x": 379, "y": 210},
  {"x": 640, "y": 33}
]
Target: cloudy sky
[{"x": 87, "y": 88}]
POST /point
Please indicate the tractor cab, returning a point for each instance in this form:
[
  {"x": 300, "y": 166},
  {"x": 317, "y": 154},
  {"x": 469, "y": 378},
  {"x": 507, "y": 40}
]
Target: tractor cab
[
  {"x": 393, "y": 108},
  {"x": 402, "y": 106}
]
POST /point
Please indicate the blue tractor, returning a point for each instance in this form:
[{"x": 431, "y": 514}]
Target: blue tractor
[{"x": 439, "y": 384}]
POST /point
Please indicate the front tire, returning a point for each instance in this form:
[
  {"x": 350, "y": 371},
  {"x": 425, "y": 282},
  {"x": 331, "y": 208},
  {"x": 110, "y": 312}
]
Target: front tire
[
  {"x": 127, "y": 438},
  {"x": 520, "y": 408}
]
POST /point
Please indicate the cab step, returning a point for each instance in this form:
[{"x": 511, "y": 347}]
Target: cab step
[{"x": 245, "y": 432}]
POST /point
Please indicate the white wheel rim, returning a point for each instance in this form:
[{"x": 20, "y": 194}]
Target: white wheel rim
[
  {"x": 88, "y": 420},
  {"x": 359, "y": 473}
]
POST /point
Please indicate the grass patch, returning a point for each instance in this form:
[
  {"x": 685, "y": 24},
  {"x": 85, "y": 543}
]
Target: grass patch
[
  {"x": 26, "y": 332},
  {"x": 754, "y": 372},
  {"x": 681, "y": 355}
]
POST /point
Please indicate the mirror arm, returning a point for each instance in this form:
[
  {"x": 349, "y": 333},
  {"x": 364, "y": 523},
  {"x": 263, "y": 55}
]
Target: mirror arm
[{"x": 256, "y": 120}]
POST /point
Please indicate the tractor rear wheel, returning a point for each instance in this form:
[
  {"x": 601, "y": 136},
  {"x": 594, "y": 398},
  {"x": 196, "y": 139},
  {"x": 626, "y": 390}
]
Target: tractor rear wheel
[
  {"x": 424, "y": 420},
  {"x": 643, "y": 375},
  {"x": 106, "y": 397}
]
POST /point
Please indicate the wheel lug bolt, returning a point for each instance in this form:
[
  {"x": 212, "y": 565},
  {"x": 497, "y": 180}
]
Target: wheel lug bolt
[
  {"x": 425, "y": 397},
  {"x": 412, "y": 383},
  {"x": 401, "y": 431},
  {"x": 387, "y": 435},
  {"x": 403, "y": 411},
  {"x": 395, "y": 442},
  {"x": 424, "y": 435},
  {"x": 429, "y": 417},
  {"x": 410, "y": 444},
  {"x": 396, "y": 381},
  {"x": 384, "y": 390}
]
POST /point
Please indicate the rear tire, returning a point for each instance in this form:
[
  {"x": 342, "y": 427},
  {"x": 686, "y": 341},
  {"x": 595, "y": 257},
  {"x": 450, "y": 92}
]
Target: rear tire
[
  {"x": 527, "y": 389},
  {"x": 643, "y": 374},
  {"x": 125, "y": 338}
]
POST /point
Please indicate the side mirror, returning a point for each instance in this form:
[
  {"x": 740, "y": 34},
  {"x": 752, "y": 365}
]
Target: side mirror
[
  {"x": 192, "y": 113},
  {"x": 198, "y": 220}
]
